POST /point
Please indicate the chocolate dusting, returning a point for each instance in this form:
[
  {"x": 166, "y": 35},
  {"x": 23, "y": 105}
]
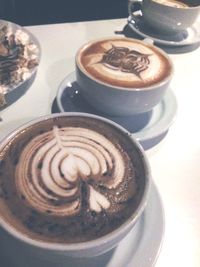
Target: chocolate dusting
[{"x": 126, "y": 60}]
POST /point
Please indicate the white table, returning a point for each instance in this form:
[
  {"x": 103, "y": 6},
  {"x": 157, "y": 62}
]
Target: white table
[{"x": 175, "y": 161}]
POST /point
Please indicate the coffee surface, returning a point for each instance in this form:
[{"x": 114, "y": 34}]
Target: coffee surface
[
  {"x": 172, "y": 3},
  {"x": 124, "y": 63},
  {"x": 179, "y": 4},
  {"x": 69, "y": 179}
]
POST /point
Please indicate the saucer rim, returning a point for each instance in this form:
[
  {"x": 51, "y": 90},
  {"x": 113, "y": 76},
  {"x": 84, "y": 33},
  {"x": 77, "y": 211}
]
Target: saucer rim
[
  {"x": 144, "y": 134},
  {"x": 170, "y": 105},
  {"x": 155, "y": 202},
  {"x": 184, "y": 42}
]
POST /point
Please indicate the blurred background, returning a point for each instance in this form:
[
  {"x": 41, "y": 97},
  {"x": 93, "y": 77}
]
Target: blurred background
[{"x": 35, "y": 12}]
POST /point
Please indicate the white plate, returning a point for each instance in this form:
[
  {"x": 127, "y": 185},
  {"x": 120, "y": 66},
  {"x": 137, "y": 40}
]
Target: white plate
[
  {"x": 144, "y": 126},
  {"x": 140, "y": 248},
  {"x": 9, "y": 91},
  {"x": 190, "y": 36}
]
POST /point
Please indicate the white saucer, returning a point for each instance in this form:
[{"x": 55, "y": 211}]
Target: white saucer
[
  {"x": 144, "y": 126},
  {"x": 140, "y": 248},
  {"x": 190, "y": 36}
]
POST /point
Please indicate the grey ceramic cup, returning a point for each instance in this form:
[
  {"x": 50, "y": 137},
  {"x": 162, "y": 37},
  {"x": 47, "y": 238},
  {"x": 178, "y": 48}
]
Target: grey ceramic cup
[
  {"x": 121, "y": 101},
  {"x": 53, "y": 251},
  {"x": 167, "y": 19}
]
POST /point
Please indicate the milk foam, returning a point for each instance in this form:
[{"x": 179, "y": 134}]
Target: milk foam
[
  {"x": 137, "y": 65},
  {"x": 53, "y": 165},
  {"x": 172, "y": 3}
]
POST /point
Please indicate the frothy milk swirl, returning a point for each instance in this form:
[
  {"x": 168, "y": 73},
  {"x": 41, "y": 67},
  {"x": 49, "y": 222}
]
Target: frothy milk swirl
[{"x": 53, "y": 166}]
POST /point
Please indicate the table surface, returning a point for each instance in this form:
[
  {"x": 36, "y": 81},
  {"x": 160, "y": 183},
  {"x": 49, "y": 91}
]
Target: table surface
[{"x": 175, "y": 161}]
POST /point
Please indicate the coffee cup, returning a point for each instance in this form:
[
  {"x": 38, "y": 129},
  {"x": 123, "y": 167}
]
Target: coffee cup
[
  {"x": 122, "y": 76},
  {"x": 168, "y": 17},
  {"x": 71, "y": 184}
]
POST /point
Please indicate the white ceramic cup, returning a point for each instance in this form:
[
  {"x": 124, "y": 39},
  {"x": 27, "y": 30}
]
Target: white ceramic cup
[
  {"x": 94, "y": 247},
  {"x": 167, "y": 16}
]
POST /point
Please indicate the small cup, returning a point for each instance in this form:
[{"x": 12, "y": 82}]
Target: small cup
[
  {"x": 122, "y": 76},
  {"x": 97, "y": 246},
  {"x": 169, "y": 17}
]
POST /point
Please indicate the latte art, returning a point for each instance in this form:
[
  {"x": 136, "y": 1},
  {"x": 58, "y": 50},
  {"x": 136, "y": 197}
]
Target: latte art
[
  {"x": 121, "y": 58},
  {"x": 69, "y": 179},
  {"x": 53, "y": 165},
  {"x": 123, "y": 62}
]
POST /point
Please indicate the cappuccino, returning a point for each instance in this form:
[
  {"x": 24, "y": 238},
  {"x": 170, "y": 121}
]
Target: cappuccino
[
  {"x": 168, "y": 18},
  {"x": 69, "y": 179},
  {"x": 123, "y": 63}
]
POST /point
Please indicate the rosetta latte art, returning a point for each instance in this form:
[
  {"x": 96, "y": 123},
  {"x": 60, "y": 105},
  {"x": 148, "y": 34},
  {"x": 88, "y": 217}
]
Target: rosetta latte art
[
  {"x": 126, "y": 60},
  {"x": 54, "y": 165}
]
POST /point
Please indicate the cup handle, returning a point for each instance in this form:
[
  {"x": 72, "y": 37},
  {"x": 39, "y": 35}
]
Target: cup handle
[{"x": 131, "y": 4}]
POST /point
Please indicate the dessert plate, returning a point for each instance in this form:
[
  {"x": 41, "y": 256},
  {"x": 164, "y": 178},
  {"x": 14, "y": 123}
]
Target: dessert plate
[
  {"x": 140, "y": 248},
  {"x": 17, "y": 85},
  {"x": 143, "y": 126},
  {"x": 190, "y": 36}
]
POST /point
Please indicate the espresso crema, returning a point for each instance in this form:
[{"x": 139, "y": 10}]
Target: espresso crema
[
  {"x": 69, "y": 179},
  {"x": 124, "y": 63},
  {"x": 172, "y": 3}
]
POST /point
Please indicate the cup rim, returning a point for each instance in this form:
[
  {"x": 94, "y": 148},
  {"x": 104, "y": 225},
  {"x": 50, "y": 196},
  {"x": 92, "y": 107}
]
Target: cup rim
[
  {"x": 132, "y": 89},
  {"x": 81, "y": 246}
]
